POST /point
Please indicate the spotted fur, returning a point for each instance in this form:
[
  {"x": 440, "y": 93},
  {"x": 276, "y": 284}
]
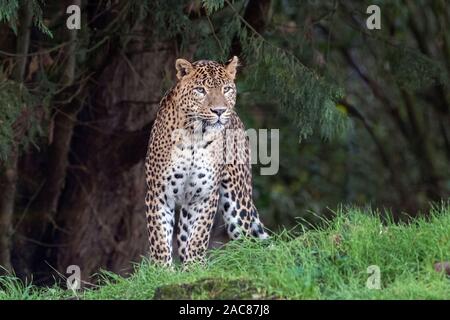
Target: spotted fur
[{"x": 194, "y": 163}]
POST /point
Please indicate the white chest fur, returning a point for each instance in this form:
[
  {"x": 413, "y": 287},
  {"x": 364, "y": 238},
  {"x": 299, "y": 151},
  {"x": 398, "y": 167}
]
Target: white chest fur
[{"x": 193, "y": 173}]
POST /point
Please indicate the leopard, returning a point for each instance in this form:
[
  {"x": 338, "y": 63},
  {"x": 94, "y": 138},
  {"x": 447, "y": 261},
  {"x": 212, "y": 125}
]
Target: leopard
[{"x": 195, "y": 166}]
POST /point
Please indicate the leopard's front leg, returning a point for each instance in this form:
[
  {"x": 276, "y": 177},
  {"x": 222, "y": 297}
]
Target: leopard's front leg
[
  {"x": 196, "y": 220},
  {"x": 160, "y": 223}
]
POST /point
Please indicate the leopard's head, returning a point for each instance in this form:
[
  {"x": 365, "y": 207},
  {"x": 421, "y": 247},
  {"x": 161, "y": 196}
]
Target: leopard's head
[{"x": 207, "y": 91}]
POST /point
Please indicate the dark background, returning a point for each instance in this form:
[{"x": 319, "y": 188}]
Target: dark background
[{"x": 363, "y": 114}]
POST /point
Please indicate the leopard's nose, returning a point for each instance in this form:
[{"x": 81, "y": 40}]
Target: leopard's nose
[{"x": 218, "y": 111}]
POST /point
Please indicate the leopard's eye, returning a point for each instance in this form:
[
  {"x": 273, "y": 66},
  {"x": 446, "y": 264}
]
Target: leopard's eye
[
  {"x": 227, "y": 89},
  {"x": 200, "y": 90}
]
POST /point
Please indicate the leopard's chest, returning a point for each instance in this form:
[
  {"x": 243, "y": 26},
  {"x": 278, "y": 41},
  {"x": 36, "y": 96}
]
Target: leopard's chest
[{"x": 194, "y": 171}]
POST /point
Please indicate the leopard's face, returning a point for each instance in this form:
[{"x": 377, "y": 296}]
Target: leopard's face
[{"x": 207, "y": 91}]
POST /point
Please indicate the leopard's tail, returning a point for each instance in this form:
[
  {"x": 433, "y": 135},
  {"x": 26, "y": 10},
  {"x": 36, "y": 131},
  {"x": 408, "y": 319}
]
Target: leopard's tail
[{"x": 257, "y": 227}]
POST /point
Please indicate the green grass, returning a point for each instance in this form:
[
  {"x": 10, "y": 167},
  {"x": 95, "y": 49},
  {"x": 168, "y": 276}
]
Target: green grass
[{"x": 329, "y": 262}]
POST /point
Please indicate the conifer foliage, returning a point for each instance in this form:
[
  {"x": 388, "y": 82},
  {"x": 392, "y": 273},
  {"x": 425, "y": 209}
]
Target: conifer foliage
[{"x": 76, "y": 109}]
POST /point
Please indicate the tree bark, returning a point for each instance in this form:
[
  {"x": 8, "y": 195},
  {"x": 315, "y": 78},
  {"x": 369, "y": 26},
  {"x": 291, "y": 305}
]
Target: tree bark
[
  {"x": 257, "y": 14},
  {"x": 8, "y": 174},
  {"x": 8, "y": 179},
  {"x": 64, "y": 119},
  {"x": 100, "y": 223}
]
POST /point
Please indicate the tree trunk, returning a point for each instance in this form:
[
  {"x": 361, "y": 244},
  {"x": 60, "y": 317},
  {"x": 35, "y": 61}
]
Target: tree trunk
[
  {"x": 64, "y": 119},
  {"x": 8, "y": 173},
  {"x": 100, "y": 223},
  {"x": 55, "y": 168},
  {"x": 8, "y": 179}
]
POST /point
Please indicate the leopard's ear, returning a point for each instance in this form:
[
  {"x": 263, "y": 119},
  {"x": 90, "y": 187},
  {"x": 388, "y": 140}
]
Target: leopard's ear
[
  {"x": 231, "y": 66},
  {"x": 183, "y": 67}
]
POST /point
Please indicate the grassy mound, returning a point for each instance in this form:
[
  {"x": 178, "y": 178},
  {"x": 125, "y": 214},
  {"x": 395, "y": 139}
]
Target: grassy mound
[{"x": 335, "y": 261}]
